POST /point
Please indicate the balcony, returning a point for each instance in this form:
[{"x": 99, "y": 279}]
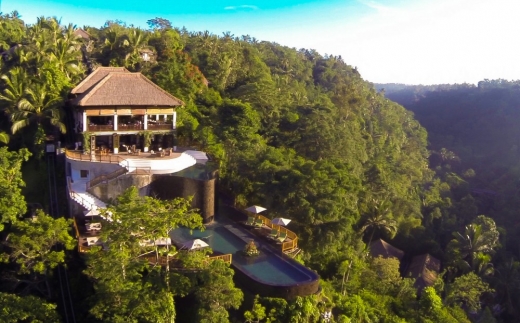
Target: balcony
[
  {"x": 96, "y": 127},
  {"x": 121, "y": 127},
  {"x": 131, "y": 126},
  {"x": 160, "y": 126}
]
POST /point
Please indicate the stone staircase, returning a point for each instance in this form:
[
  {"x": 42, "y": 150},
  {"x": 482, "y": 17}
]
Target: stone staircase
[
  {"x": 78, "y": 193},
  {"x": 78, "y": 188}
]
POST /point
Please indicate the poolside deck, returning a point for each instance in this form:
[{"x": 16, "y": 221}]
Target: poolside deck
[
  {"x": 239, "y": 233},
  {"x": 289, "y": 245}
]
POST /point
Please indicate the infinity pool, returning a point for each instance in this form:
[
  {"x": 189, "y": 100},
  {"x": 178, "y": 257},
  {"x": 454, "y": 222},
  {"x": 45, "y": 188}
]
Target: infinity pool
[
  {"x": 205, "y": 171},
  {"x": 268, "y": 268}
]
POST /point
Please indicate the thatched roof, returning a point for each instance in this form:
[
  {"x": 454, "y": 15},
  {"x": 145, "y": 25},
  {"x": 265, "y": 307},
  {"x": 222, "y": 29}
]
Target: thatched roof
[
  {"x": 385, "y": 250},
  {"x": 126, "y": 89},
  {"x": 82, "y": 33},
  {"x": 424, "y": 269},
  {"x": 97, "y": 75}
]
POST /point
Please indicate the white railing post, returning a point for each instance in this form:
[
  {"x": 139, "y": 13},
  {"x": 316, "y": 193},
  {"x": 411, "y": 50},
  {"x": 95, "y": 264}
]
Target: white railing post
[{"x": 84, "y": 121}]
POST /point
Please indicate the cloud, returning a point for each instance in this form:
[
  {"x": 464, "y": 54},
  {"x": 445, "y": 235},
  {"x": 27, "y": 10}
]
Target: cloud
[{"x": 244, "y": 6}]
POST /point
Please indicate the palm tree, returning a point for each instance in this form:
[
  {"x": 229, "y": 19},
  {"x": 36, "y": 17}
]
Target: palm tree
[
  {"x": 38, "y": 106},
  {"x": 16, "y": 83},
  {"x": 482, "y": 265},
  {"x": 66, "y": 56},
  {"x": 4, "y": 137},
  {"x": 474, "y": 241},
  {"x": 135, "y": 41},
  {"x": 506, "y": 282},
  {"x": 378, "y": 218}
]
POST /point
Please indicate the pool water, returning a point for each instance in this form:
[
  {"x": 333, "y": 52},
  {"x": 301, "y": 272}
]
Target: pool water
[{"x": 268, "y": 267}]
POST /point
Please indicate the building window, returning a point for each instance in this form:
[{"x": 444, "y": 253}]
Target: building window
[{"x": 83, "y": 173}]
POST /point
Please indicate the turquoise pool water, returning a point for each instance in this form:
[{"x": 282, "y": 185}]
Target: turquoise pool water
[{"x": 268, "y": 267}]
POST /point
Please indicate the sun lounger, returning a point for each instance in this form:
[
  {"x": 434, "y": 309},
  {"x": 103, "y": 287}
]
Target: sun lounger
[
  {"x": 273, "y": 234},
  {"x": 259, "y": 223},
  {"x": 93, "y": 226},
  {"x": 250, "y": 221},
  {"x": 282, "y": 236},
  {"x": 91, "y": 241}
]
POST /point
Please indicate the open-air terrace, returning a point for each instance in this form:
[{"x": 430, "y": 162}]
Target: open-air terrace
[{"x": 157, "y": 162}]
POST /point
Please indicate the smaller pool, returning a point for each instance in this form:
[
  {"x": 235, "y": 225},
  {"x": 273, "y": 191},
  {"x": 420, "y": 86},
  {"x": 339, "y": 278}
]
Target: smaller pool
[{"x": 268, "y": 268}]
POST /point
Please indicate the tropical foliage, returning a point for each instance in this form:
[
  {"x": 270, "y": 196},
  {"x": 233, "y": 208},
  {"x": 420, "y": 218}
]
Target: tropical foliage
[{"x": 296, "y": 131}]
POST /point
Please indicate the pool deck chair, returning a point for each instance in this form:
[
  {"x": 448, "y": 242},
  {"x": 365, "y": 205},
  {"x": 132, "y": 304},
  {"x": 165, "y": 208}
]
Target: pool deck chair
[
  {"x": 282, "y": 236},
  {"x": 273, "y": 234},
  {"x": 259, "y": 223},
  {"x": 250, "y": 221}
]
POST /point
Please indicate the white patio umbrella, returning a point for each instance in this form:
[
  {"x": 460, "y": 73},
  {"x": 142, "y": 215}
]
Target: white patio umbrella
[
  {"x": 256, "y": 209},
  {"x": 92, "y": 212},
  {"x": 194, "y": 244},
  {"x": 280, "y": 221}
]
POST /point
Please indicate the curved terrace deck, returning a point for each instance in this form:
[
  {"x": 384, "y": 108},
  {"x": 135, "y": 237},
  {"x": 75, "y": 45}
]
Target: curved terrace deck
[{"x": 157, "y": 162}]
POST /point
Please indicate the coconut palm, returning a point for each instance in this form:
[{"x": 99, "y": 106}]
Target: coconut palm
[
  {"x": 378, "y": 218},
  {"x": 37, "y": 107},
  {"x": 474, "y": 241},
  {"x": 4, "y": 137},
  {"x": 66, "y": 57},
  {"x": 135, "y": 40},
  {"x": 16, "y": 83}
]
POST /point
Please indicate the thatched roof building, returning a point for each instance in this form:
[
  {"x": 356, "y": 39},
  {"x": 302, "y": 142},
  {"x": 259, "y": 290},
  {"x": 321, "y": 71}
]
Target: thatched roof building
[
  {"x": 385, "y": 250},
  {"x": 93, "y": 78},
  {"x": 82, "y": 34},
  {"x": 425, "y": 269},
  {"x": 122, "y": 89}
]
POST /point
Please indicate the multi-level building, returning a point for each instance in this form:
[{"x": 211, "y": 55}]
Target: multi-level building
[
  {"x": 114, "y": 106},
  {"x": 128, "y": 126}
]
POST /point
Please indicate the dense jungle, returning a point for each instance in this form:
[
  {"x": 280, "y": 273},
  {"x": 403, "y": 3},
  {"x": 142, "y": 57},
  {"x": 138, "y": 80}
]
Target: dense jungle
[{"x": 296, "y": 131}]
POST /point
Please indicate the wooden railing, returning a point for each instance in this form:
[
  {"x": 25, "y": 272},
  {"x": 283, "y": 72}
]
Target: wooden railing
[
  {"x": 162, "y": 126},
  {"x": 76, "y": 228},
  {"x": 227, "y": 258},
  {"x": 292, "y": 241},
  {"x": 96, "y": 127},
  {"x": 76, "y": 155},
  {"x": 124, "y": 127}
]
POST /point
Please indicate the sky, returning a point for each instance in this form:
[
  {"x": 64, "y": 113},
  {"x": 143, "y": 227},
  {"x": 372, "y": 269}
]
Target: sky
[{"x": 388, "y": 41}]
